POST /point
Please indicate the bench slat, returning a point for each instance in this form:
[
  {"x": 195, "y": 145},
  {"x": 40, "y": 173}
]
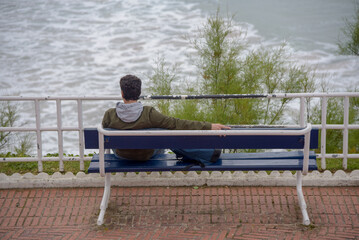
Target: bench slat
[
  {"x": 227, "y": 162},
  {"x": 206, "y": 142}
]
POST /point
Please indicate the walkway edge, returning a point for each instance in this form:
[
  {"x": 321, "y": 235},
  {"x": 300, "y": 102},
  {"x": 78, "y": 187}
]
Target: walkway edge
[{"x": 215, "y": 178}]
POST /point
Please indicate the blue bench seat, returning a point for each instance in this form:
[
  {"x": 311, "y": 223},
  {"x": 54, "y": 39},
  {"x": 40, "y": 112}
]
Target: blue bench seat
[{"x": 266, "y": 161}]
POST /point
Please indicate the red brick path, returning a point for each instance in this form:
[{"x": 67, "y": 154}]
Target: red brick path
[{"x": 180, "y": 213}]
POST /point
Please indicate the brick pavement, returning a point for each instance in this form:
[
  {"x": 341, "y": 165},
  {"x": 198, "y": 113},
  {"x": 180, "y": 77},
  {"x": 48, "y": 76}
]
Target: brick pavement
[{"x": 180, "y": 213}]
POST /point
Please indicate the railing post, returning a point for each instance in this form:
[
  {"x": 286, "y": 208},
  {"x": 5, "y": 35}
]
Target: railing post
[
  {"x": 60, "y": 135},
  {"x": 302, "y": 112},
  {"x": 81, "y": 134},
  {"x": 345, "y": 132},
  {"x": 38, "y": 135},
  {"x": 323, "y": 140}
]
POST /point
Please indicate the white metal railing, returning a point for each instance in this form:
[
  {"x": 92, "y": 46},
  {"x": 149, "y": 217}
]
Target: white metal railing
[{"x": 79, "y": 127}]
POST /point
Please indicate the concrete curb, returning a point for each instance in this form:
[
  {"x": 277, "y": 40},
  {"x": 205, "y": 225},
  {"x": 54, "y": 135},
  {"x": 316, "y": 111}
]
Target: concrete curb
[{"x": 216, "y": 178}]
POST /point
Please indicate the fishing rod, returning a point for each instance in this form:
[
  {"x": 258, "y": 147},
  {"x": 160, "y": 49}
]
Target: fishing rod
[
  {"x": 220, "y": 96},
  {"x": 234, "y": 96}
]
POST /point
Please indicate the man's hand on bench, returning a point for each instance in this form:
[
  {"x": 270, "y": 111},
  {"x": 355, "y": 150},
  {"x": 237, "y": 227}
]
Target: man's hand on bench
[{"x": 217, "y": 126}]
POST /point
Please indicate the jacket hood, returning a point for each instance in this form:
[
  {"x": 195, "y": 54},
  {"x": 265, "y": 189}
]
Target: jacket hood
[{"x": 129, "y": 112}]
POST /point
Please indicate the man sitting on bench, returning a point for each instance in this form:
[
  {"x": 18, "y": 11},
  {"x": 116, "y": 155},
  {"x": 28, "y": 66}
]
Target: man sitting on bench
[{"x": 132, "y": 115}]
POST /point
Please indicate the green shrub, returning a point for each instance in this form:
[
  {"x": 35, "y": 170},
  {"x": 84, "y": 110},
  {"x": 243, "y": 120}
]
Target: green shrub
[
  {"x": 350, "y": 44},
  {"x": 227, "y": 66},
  {"x": 160, "y": 83},
  {"x": 8, "y": 118}
]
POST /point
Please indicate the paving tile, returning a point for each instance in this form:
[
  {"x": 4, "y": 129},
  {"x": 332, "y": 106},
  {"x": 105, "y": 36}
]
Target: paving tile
[{"x": 180, "y": 213}]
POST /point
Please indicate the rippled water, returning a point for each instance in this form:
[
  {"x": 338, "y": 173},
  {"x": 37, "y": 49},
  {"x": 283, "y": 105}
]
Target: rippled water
[{"x": 84, "y": 47}]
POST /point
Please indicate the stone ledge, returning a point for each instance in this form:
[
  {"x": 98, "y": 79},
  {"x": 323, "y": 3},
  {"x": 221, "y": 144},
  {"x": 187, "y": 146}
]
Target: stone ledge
[{"x": 215, "y": 178}]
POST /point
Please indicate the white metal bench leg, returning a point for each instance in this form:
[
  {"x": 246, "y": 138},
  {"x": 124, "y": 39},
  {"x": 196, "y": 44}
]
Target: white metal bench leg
[
  {"x": 105, "y": 198},
  {"x": 301, "y": 200}
]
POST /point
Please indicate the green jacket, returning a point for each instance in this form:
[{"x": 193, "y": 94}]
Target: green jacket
[{"x": 149, "y": 118}]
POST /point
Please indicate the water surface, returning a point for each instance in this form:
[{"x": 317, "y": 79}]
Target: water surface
[{"x": 82, "y": 48}]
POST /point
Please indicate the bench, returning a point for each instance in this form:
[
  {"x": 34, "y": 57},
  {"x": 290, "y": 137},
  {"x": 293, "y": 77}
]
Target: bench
[{"x": 300, "y": 161}]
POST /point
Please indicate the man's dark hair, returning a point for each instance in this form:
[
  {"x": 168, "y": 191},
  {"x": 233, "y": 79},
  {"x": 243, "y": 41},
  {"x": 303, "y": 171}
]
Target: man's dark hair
[{"x": 131, "y": 87}]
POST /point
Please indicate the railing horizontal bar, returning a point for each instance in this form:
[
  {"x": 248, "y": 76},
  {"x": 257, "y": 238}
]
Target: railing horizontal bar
[
  {"x": 35, "y": 159},
  {"x": 336, "y": 126},
  {"x": 298, "y": 95},
  {"x": 62, "y": 98},
  {"x": 29, "y": 129},
  {"x": 338, "y": 155},
  {"x": 149, "y": 97}
]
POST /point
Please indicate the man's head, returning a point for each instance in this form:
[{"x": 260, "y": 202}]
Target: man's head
[{"x": 131, "y": 87}]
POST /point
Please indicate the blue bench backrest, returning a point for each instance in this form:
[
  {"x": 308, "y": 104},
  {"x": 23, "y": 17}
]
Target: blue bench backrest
[{"x": 210, "y": 142}]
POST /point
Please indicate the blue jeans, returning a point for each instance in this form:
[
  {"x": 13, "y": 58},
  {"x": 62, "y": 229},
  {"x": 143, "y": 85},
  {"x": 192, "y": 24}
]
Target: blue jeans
[{"x": 155, "y": 153}]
